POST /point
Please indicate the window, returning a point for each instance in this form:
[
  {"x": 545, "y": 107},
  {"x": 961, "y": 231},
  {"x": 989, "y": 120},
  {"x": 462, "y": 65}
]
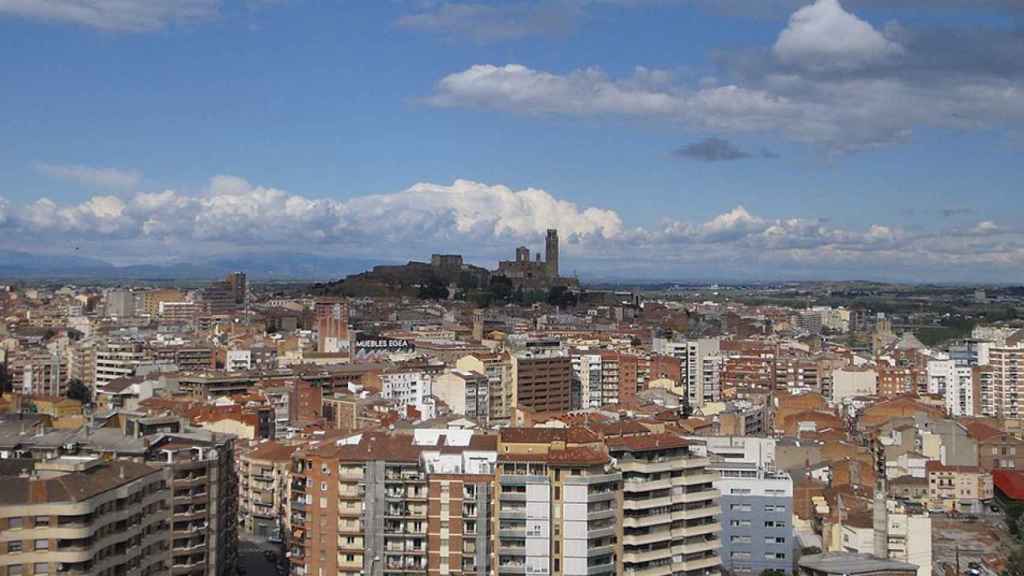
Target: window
[
  {"x": 739, "y": 491},
  {"x": 739, "y": 523},
  {"x": 774, "y": 508},
  {"x": 40, "y": 568},
  {"x": 323, "y": 502},
  {"x": 42, "y": 521},
  {"x": 740, "y": 539},
  {"x": 323, "y": 486},
  {"x": 774, "y": 555},
  {"x": 15, "y": 523},
  {"x": 350, "y": 558},
  {"x": 14, "y": 547},
  {"x": 41, "y": 545},
  {"x": 740, "y": 507},
  {"x": 15, "y": 570},
  {"x": 774, "y": 524},
  {"x": 774, "y": 540},
  {"x": 740, "y": 555}
]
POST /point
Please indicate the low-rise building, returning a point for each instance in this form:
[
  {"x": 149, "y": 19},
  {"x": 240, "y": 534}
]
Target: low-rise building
[{"x": 960, "y": 488}]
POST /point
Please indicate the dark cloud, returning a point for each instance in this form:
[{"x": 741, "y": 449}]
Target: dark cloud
[{"x": 711, "y": 150}]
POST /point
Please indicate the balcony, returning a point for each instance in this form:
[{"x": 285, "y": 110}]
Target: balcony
[
  {"x": 635, "y": 503},
  {"x": 649, "y": 555}
]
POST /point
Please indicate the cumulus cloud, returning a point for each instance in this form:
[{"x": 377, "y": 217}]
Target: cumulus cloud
[
  {"x": 824, "y": 36},
  {"x": 115, "y": 15},
  {"x": 647, "y": 93},
  {"x": 711, "y": 150},
  {"x": 485, "y": 221},
  {"x": 108, "y": 178},
  {"x": 232, "y": 210},
  {"x": 830, "y": 79}
]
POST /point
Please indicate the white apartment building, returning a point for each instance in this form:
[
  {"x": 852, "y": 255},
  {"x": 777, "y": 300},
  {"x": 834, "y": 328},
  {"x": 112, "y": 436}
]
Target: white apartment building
[
  {"x": 411, "y": 388},
  {"x": 116, "y": 359}
]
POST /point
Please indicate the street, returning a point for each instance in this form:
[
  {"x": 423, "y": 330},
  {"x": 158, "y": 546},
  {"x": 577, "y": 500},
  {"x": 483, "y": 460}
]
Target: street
[{"x": 251, "y": 558}]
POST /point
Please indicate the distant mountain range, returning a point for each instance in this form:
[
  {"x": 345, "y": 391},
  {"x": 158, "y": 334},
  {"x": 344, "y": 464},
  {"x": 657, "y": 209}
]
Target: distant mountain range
[{"x": 23, "y": 265}]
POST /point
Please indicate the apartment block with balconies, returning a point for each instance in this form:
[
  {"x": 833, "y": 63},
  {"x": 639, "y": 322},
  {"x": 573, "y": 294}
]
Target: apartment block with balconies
[
  {"x": 670, "y": 507},
  {"x": 80, "y": 515},
  {"x": 556, "y": 506}
]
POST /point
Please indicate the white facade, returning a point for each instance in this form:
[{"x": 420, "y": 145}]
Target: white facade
[
  {"x": 910, "y": 540},
  {"x": 941, "y": 374},
  {"x": 409, "y": 389},
  {"x": 959, "y": 393},
  {"x": 848, "y": 382},
  {"x": 701, "y": 366},
  {"x": 236, "y": 360}
]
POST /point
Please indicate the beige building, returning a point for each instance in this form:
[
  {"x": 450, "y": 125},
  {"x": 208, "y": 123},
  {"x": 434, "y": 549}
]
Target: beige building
[
  {"x": 961, "y": 488},
  {"x": 263, "y": 477},
  {"x": 670, "y": 507},
  {"x": 498, "y": 369},
  {"x": 465, "y": 393},
  {"x": 850, "y": 381},
  {"x": 81, "y": 515}
]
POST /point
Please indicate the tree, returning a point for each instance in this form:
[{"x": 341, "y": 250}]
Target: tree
[
  {"x": 501, "y": 289},
  {"x": 1015, "y": 562},
  {"x": 79, "y": 391},
  {"x": 1014, "y": 511},
  {"x": 562, "y": 297},
  {"x": 435, "y": 289},
  {"x": 5, "y": 380}
]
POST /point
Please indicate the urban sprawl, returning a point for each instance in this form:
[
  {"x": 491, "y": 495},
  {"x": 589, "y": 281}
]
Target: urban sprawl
[{"x": 438, "y": 418}]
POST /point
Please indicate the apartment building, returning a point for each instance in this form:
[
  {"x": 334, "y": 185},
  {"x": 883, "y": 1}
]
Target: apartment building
[
  {"x": 409, "y": 388},
  {"x": 996, "y": 448},
  {"x": 263, "y": 489},
  {"x": 81, "y": 515},
  {"x": 1000, "y": 388},
  {"x": 960, "y": 488},
  {"x": 556, "y": 507},
  {"x": 152, "y": 299},
  {"x": 757, "y": 530},
  {"x": 543, "y": 383},
  {"x": 381, "y": 504},
  {"x": 748, "y": 363},
  {"x": 701, "y": 366},
  {"x": 670, "y": 507},
  {"x": 37, "y": 371},
  {"x": 465, "y": 393},
  {"x": 850, "y": 381},
  {"x": 186, "y": 358},
  {"x": 115, "y": 359},
  {"x": 497, "y": 368},
  {"x": 797, "y": 374}
]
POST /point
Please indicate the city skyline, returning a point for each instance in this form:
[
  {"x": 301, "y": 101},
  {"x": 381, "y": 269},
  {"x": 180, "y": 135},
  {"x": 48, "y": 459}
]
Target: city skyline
[{"x": 664, "y": 139}]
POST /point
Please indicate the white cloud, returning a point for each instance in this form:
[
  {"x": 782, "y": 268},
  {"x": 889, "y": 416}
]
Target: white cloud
[
  {"x": 117, "y": 15},
  {"x": 824, "y": 36},
  {"x": 831, "y": 80},
  {"x": 108, "y": 178},
  {"x": 648, "y": 93},
  {"x": 485, "y": 222}
]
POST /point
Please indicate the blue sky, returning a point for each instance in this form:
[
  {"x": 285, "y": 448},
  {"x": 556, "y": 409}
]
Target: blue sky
[{"x": 664, "y": 138}]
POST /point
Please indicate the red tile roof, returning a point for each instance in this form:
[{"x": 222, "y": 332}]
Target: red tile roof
[
  {"x": 647, "y": 442},
  {"x": 1009, "y": 482}
]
